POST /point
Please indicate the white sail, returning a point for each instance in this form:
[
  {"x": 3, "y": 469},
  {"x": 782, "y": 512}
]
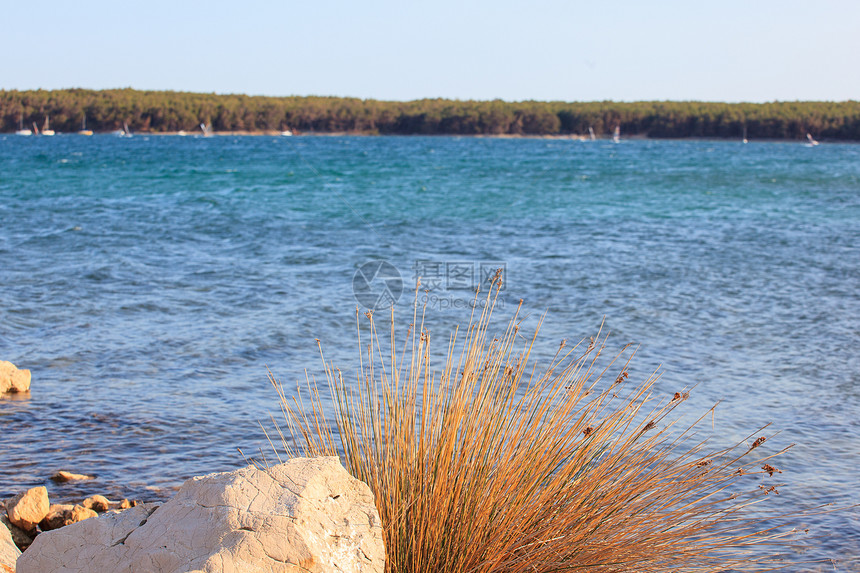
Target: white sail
[
  {"x": 125, "y": 131},
  {"x": 21, "y": 130},
  {"x": 46, "y": 129},
  {"x": 84, "y": 130}
]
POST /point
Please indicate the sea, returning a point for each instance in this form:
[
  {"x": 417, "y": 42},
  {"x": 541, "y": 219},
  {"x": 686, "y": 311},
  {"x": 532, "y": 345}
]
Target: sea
[{"x": 151, "y": 283}]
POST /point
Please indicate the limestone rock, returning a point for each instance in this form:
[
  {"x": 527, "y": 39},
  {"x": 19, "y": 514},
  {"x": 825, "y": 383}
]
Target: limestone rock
[
  {"x": 5, "y": 376},
  {"x": 121, "y": 505},
  {"x": 12, "y": 379},
  {"x": 80, "y": 513},
  {"x": 27, "y": 509},
  {"x": 63, "y": 476},
  {"x": 61, "y": 515},
  {"x": 21, "y": 381},
  {"x": 8, "y": 551},
  {"x": 97, "y": 503},
  {"x": 307, "y": 515}
]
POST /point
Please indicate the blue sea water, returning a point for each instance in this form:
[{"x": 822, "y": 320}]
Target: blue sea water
[{"x": 149, "y": 282}]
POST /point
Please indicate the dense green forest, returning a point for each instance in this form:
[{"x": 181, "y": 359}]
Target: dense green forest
[{"x": 164, "y": 111}]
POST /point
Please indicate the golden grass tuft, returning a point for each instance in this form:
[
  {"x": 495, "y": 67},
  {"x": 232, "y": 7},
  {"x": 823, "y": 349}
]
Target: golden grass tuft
[{"x": 493, "y": 464}]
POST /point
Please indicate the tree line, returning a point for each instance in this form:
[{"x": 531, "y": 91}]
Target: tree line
[{"x": 166, "y": 111}]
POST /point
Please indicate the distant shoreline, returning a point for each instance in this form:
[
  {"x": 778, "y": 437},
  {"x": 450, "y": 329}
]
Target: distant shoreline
[
  {"x": 553, "y": 137},
  {"x": 71, "y": 110}
]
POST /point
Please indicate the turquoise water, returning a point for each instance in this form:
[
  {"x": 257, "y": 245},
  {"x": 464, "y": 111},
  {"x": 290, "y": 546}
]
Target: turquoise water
[{"x": 148, "y": 283}]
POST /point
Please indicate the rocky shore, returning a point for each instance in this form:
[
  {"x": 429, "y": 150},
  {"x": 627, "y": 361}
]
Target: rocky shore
[
  {"x": 307, "y": 514},
  {"x": 30, "y": 513}
]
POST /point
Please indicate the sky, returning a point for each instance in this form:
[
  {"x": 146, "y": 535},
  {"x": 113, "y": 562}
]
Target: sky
[{"x": 622, "y": 50}]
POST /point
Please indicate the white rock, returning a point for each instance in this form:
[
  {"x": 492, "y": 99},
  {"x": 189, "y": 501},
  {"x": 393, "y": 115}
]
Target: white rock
[
  {"x": 97, "y": 503},
  {"x": 6, "y": 370},
  {"x": 63, "y": 476},
  {"x": 12, "y": 379},
  {"x": 8, "y": 552},
  {"x": 307, "y": 515},
  {"x": 28, "y": 508},
  {"x": 62, "y": 515}
]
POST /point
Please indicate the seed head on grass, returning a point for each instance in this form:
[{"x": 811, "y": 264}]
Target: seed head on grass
[{"x": 487, "y": 462}]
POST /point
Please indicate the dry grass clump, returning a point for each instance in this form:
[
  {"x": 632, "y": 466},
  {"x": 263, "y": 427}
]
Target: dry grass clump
[{"x": 492, "y": 464}]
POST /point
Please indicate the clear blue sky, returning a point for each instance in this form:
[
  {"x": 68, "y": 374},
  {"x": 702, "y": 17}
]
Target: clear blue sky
[{"x": 753, "y": 50}]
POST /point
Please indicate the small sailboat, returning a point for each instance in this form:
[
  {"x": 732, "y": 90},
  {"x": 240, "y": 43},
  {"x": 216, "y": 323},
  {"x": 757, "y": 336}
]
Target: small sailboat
[
  {"x": 591, "y": 135},
  {"x": 745, "y": 140},
  {"x": 811, "y": 140},
  {"x": 21, "y": 130},
  {"x": 616, "y": 136},
  {"x": 46, "y": 129},
  {"x": 84, "y": 130},
  {"x": 207, "y": 129},
  {"x": 124, "y": 132},
  {"x": 35, "y": 129}
]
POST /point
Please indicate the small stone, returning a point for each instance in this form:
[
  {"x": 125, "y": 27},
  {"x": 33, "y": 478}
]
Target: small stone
[
  {"x": 57, "y": 516},
  {"x": 20, "y": 381},
  {"x": 12, "y": 379},
  {"x": 124, "y": 504},
  {"x": 80, "y": 513},
  {"x": 97, "y": 503},
  {"x": 63, "y": 476},
  {"x": 6, "y": 370},
  {"x": 61, "y": 515},
  {"x": 27, "y": 509}
]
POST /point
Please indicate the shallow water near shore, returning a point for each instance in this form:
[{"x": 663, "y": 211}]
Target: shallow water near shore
[{"x": 148, "y": 283}]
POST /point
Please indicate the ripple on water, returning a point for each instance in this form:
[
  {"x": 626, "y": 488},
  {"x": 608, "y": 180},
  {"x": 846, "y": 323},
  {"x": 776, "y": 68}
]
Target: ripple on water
[{"x": 148, "y": 285}]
